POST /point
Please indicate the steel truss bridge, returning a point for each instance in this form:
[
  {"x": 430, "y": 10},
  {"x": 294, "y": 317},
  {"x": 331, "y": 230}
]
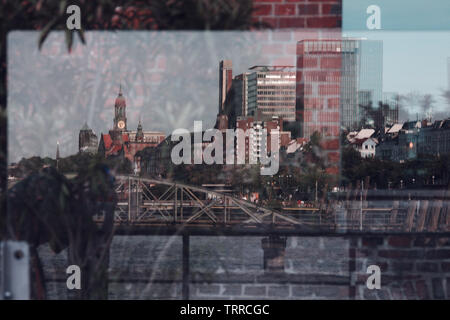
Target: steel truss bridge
[
  {"x": 150, "y": 206},
  {"x": 147, "y": 206}
]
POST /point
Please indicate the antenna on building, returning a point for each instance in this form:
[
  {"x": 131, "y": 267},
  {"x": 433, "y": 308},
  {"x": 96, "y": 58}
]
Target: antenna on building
[
  {"x": 430, "y": 114},
  {"x": 57, "y": 155}
]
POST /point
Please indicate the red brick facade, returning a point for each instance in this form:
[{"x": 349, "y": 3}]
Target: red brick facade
[
  {"x": 280, "y": 14},
  {"x": 292, "y": 21}
]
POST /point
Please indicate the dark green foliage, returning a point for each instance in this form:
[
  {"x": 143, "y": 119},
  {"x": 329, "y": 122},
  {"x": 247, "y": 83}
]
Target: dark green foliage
[
  {"x": 73, "y": 164},
  {"x": 48, "y": 15},
  {"x": 201, "y": 15},
  {"x": 48, "y": 207},
  {"x": 36, "y": 209},
  {"x": 386, "y": 174}
]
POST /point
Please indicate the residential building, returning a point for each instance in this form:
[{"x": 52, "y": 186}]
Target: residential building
[
  {"x": 414, "y": 139},
  {"x": 255, "y": 130},
  {"x": 366, "y": 147}
]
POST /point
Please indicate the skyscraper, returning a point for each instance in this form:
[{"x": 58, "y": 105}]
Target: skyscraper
[
  {"x": 271, "y": 92},
  {"x": 332, "y": 77},
  {"x": 370, "y": 68},
  {"x": 240, "y": 90},
  {"x": 318, "y": 87},
  {"x": 225, "y": 81}
]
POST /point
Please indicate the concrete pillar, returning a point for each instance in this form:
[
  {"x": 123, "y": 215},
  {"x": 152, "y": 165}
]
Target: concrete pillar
[{"x": 274, "y": 250}]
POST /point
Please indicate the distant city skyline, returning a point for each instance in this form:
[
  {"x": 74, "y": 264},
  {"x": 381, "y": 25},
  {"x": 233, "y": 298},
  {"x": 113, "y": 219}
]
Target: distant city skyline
[{"x": 169, "y": 80}]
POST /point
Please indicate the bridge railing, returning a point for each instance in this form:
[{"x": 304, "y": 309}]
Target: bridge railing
[{"x": 155, "y": 202}]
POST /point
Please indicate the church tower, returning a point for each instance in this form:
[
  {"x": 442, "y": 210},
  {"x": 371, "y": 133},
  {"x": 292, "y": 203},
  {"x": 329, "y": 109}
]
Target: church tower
[
  {"x": 139, "y": 133},
  {"x": 120, "y": 118}
]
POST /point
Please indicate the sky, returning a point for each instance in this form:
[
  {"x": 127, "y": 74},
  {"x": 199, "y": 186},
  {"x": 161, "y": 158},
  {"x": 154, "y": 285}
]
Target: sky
[
  {"x": 401, "y": 15},
  {"x": 416, "y": 44},
  {"x": 169, "y": 80},
  {"x": 413, "y": 60}
]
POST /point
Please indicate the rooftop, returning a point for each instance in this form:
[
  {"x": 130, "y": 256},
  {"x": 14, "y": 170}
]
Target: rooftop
[{"x": 271, "y": 68}]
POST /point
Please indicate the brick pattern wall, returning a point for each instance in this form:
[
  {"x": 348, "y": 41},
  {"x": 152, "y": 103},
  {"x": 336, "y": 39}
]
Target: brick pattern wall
[
  {"x": 272, "y": 287},
  {"x": 318, "y": 95},
  {"x": 299, "y": 13},
  {"x": 412, "y": 267},
  {"x": 293, "y": 21}
]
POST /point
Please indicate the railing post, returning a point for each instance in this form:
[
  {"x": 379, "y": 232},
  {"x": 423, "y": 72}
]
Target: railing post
[
  {"x": 225, "y": 199},
  {"x": 138, "y": 198},
  {"x": 186, "y": 276}
]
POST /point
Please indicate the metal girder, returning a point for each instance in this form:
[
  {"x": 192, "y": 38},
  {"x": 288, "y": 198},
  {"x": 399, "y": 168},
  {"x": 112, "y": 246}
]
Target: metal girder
[{"x": 184, "y": 204}]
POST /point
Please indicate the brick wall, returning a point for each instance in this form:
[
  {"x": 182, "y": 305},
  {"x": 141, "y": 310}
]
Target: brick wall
[
  {"x": 412, "y": 267},
  {"x": 299, "y": 13},
  {"x": 293, "y": 21}
]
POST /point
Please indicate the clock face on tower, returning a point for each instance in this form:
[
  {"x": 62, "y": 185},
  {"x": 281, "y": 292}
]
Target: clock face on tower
[{"x": 121, "y": 124}]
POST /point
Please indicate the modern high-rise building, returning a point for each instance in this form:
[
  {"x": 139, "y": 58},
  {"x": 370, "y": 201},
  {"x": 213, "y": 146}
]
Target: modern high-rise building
[
  {"x": 337, "y": 79},
  {"x": 362, "y": 72},
  {"x": 240, "y": 91},
  {"x": 370, "y": 68},
  {"x": 271, "y": 92},
  {"x": 225, "y": 81},
  {"x": 319, "y": 87}
]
